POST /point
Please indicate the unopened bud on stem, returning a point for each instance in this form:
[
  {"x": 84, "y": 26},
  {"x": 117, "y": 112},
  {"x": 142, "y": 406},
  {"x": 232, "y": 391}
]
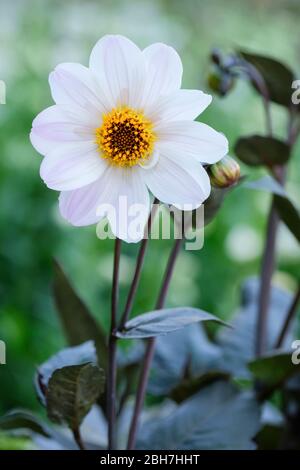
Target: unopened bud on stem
[{"x": 225, "y": 173}]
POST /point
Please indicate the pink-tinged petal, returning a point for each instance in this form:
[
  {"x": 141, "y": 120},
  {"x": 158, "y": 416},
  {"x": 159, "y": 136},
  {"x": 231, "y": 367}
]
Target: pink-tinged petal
[
  {"x": 65, "y": 113},
  {"x": 79, "y": 207},
  {"x": 182, "y": 105},
  {"x": 57, "y": 124},
  {"x": 119, "y": 67},
  {"x": 49, "y": 115},
  {"x": 41, "y": 145},
  {"x": 164, "y": 72},
  {"x": 72, "y": 166},
  {"x": 181, "y": 182},
  {"x": 74, "y": 84},
  {"x": 106, "y": 197},
  {"x": 192, "y": 139},
  {"x": 65, "y": 132}
]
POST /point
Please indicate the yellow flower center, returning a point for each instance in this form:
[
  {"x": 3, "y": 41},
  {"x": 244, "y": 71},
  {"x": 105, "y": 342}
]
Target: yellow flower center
[{"x": 125, "y": 137}]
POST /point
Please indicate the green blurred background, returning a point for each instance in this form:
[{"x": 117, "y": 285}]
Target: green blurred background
[{"x": 37, "y": 35}]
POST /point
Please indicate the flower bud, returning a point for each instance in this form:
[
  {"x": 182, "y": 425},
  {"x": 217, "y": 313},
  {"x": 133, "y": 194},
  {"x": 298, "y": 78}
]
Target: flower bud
[
  {"x": 221, "y": 82},
  {"x": 216, "y": 56},
  {"x": 225, "y": 173}
]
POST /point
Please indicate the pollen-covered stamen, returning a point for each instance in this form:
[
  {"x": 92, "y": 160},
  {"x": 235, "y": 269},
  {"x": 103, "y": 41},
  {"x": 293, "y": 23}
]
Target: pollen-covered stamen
[{"x": 125, "y": 137}]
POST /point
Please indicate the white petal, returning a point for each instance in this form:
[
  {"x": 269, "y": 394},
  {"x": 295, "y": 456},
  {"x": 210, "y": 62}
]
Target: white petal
[
  {"x": 179, "y": 182},
  {"x": 64, "y": 132},
  {"x": 151, "y": 161},
  {"x": 182, "y": 105},
  {"x": 79, "y": 206},
  {"x": 41, "y": 145},
  {"x": 49, "y": 115},
  {"x": 64, "y": 113},
  {"x": 132, "y": 206},
  {"x": 73, "y": 83},
  {"x": 106, "y": 196},
  {"x": 72, "y": 166},
  {"x": 164, "y": 72},
  {"x": 119, "y": 67},
  {"x": 192, "y": 139},
  {"x": 56, "y": 125}
]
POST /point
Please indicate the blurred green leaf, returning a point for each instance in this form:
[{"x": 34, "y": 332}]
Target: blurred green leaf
[
  {"x": 266, "y": 183},
  {"x": 238, "y": 343},
  {"x": 213, "y": 204},
  {"x": 277, "y": 76},
  {"x": 269, "y": 437},
  {"x": 194, "y": 355},
  {"x": 189, "y": 387},
  {"x": 25, "y": 423},
  {"x": 289, "y": 214},
  {"x": 78, "y": 323},
  {"x": 78, "y": 355},
  {"x": 21, "y": 419},
  {"x": 71, "y": 393},
  {"x": 258, "y": 150},
  {"x": 274, "y": 369},
  {"x": 287, "y": 211},
  {"x": 15, "y": 443},
  {"x": 218, "y": 417},
  {"x": 161, "y": 322}
]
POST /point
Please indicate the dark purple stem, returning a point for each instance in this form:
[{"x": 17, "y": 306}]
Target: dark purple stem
[
  {"x": 269, "y": 251},
  {"x": 289, "y": 318},
  {"x": 266, "y": 277},
  {"x": 268, "y": 260},
  {"x": 112, "y": 351},
  {"x": 77, "y": 438},
  {"x": 143, "y": 381},
  {"x": 138, "y": 268}
]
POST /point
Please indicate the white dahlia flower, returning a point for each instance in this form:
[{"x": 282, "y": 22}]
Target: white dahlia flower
[{"x": 123, "y": 127}]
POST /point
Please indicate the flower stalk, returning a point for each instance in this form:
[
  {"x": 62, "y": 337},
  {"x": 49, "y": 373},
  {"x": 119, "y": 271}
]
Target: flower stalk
[
  {"x": 289, "y": 318},
  {"x": 112, "y": 367},
  {"x": 78, "y": 439},
  {"x": 138, "y": 268},
  {"x": 150, "y": 348},
  {"x": 112, "y": 351},
  {"x": 267, "y": 269},
  {"x": 268, "y": 260},
  {"x": 269, "y": 251}
]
